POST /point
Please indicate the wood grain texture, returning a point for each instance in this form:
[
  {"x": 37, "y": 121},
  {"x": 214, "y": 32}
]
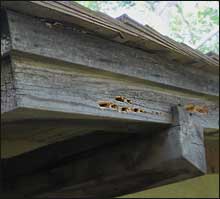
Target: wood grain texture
[
  {"x": 8, "y": 94},
  {"x": 106, "y": 26},
  {"x": 90, "y": 51},
  {"x": 74, "y": 89},
  {"x": 130, "y": 165},
  {"x": 84, "y": 70},
  {"x": 48, "y": 91}
]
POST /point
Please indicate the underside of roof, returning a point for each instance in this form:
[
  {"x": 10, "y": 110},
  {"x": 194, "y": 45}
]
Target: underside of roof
[{"x": 123, "y": 29}]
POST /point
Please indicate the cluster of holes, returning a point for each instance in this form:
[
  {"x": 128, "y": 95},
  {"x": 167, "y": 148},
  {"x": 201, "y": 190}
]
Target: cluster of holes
[
  {"x": 111, "y": 105},
  {"x": 192, "y": 108},
  {"x": 124, "y": 109},
  {"x": 106, "y": 104}
]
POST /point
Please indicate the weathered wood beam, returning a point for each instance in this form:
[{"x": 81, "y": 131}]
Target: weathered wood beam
[
  {"x": 46, "y": 156},
  {"x": 72, "y": 89},
  {"x": 26, "y": 135},
  {"x": 47, "y": 92},
  {"x": 104, "y": 25},
  {"x": 52, "y": 88},
  {"x": 72, "y": 45},
  {"x": 128, "y": 166}
]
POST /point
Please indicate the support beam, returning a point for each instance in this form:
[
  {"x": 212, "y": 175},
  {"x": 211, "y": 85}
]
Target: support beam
[
  {"x": 69, "y": 44},
  {"x": 131, "y": 165}
]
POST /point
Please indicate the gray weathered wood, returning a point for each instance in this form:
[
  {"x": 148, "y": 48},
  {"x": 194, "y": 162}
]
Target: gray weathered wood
[
  {"x": 131, "y": 165},
  {"x": 5, "y": 45},
  {"x": 48, "y": 91},
  {"x": 113, "y": 29},
  {"x": 70, "y": 45},
  {"x": 8, "y": 94},
  {"x": 73, "y": 89}
]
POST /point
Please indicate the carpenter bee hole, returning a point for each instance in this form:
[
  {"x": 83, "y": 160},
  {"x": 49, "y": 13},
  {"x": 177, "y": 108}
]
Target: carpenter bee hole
[
  {"x": 124, "y": 109},
  {"x": 123, "y": 99},
  {"x": 114, "y": 106},
  {"x": 104, "y": 104},
  {"x": 129, "y": 101},
  {"x": 136, "y": 110},
  {"x": 120, "y": 98}
]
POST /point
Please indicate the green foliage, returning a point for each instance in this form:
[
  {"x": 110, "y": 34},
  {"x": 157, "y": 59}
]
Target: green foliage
[
  {"x": 193, "y": 27},
  {"x": 126, "y": 3},
  {"x": 93, "y": 5}
]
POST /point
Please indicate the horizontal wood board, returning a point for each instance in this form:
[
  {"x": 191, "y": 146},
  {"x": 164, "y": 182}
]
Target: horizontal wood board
[{"x": 90, "y": 51}]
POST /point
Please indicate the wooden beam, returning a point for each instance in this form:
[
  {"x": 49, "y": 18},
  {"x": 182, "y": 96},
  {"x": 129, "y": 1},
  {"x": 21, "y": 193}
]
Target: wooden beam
[
  {"x": 46, "y": 89},
  {"x": 27, "y": 135},
  {"x": 50, "y": 154},
  {"x": 131, "y": 165},
  {"x": 74, "y": 89},
  {"x": 75, "y": 46},
  {"x": 46, "y": 92}
]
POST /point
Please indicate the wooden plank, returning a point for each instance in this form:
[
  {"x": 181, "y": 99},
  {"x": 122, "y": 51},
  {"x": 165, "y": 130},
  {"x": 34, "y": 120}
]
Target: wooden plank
[
  {"x": 27, "y": 135},
  {"x": 101, "y": 23},
  {"x": 131, "y": 165},
  {"x": 50, "y": 154},
  {"x": 150, "y": 35},
  {"x": 195, "y": 55},
  {"x": 90, "y": 51}
]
